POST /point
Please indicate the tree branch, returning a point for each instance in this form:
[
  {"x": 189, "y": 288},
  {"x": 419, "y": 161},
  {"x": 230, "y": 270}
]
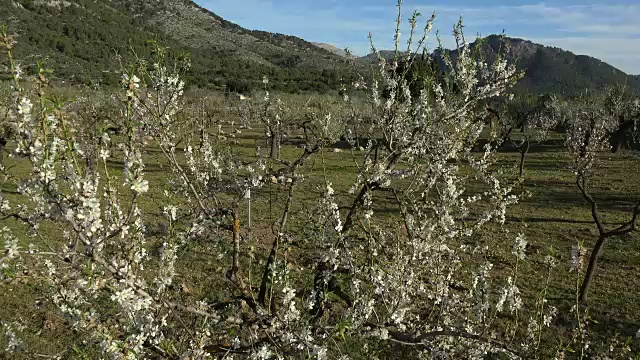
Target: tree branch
[
  {"x": 266, "y": 275},
  {"x": 580, "y": 182}
]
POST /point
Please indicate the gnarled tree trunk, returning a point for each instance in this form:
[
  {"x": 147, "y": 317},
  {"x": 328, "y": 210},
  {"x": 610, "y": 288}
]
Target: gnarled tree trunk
[
  {"x": 524, "y": 150},
  {"x": 3, "y": 144},
  {"x": 593, "y": 261},
  {"x": 274, "y": 140},
  {"x": 623, "y": 229},
  {"x": 619, "y": 136}
]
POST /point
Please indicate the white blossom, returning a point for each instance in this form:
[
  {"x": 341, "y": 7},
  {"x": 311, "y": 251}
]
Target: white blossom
[{"x": 140, "y": 186}]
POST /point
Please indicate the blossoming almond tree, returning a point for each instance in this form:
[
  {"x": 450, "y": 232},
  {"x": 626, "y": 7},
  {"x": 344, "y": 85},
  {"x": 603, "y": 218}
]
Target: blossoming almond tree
[
  {"x": 589, "y": 134},
  {"x": 624, "y": 108},
  {"x": 535, "y": 117}
]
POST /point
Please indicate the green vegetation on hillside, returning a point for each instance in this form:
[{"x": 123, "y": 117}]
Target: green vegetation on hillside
[
  {"x": 79, "y": 40},
  {"x": 553, "y": 70}
]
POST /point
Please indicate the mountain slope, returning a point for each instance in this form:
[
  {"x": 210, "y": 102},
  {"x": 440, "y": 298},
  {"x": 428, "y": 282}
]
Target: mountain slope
[
  {"x": 547, "y": 69},
  {"x": 80, "y": 37},
  {"x": 332, "y": 48},
  {"x": 554, "y": 70},
  {"x": 372, "y": 58}
]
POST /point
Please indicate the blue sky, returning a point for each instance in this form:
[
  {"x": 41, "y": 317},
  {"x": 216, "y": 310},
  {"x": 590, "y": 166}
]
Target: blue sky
[{"x": 608, "y": 30}]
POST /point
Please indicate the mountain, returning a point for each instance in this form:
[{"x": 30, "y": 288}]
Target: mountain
[
  {"x": 554, "y": 70},
  {"x": 332, "y": 48},
  {"x": 79, "y": 39},
  {"x": 372, "y": 58},
  {"x": 547, "y": 69}
]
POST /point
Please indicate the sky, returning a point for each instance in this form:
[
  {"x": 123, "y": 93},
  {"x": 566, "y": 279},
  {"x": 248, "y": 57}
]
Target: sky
[{"x": 607, "y": 30}]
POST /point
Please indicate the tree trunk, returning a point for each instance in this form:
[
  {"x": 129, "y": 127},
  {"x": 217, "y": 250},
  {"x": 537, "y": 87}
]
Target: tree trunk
[
  {"x": 593, "y": 260},
  {"x": 617, "y": 140},
  {"x": 523, "y": 153},
  {"x": 280, "y": 136},
  {"x": 235, "y": 261},
  {"x": 619, "y": 137},
  {"x": 357, "y": 142},
  {"x": 273, "y": 153},
  {"x": 201, "y": 144},
  {"x": 3, "y": 144}
]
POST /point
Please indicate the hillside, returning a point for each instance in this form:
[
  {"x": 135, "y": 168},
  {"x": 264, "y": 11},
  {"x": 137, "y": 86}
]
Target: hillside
[
  {"x": 547, "y": 69},
  {"x": 80, "y": 37},
  {"x": 554, "y": 70}
]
